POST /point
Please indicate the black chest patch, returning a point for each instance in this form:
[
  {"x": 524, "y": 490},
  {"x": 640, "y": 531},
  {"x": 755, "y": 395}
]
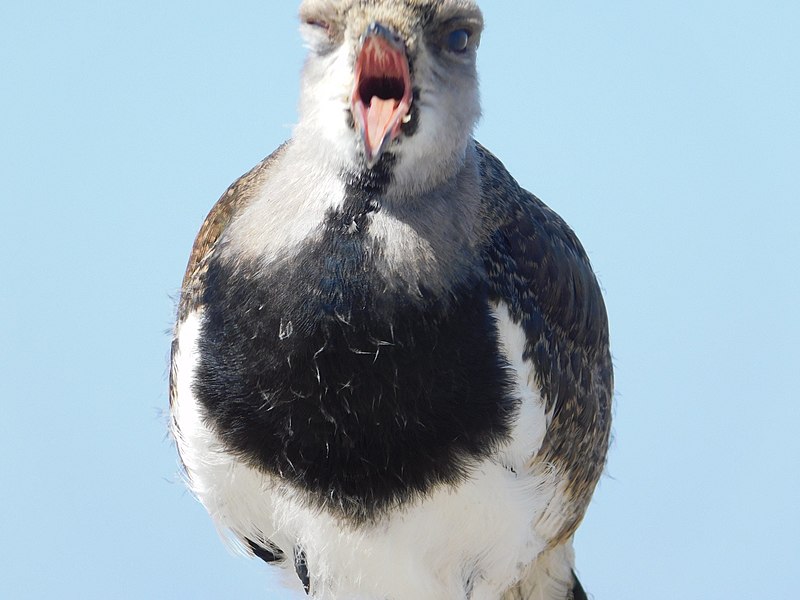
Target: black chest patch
[{"x": 323, "y": 373}]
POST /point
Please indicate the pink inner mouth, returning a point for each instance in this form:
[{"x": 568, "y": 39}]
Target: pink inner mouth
[{"x": 382, "y": 95}]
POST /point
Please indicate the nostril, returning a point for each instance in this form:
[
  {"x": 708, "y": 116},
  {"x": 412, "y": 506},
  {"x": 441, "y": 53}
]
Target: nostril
[{"x": 377, "y": 29}]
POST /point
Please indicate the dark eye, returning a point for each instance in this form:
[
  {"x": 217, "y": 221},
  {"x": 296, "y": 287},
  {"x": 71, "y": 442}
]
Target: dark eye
[{"x": 458, "y": 40}]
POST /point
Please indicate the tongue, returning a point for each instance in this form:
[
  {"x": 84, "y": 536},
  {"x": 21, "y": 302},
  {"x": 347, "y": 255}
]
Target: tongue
[{"x": 379, "y": 119}]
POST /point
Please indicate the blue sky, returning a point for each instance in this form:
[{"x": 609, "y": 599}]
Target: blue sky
[{"x": 666, "y": 133}]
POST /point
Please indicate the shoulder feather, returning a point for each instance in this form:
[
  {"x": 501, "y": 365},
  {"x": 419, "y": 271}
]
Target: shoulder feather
[{"x": 233, "y": 201}]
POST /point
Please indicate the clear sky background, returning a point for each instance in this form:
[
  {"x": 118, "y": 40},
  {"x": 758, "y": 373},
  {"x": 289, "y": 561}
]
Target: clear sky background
[{"x": 666, "y": 133}]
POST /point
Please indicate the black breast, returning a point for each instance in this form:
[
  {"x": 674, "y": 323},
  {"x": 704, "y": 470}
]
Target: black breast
[{"x": 322, "y": 372}]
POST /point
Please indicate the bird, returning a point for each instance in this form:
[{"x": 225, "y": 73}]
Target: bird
[{"x": 390, "y": 370}]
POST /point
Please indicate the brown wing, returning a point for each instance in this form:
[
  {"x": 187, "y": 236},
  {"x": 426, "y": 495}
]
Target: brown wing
[{"x": 236, "y": 197}]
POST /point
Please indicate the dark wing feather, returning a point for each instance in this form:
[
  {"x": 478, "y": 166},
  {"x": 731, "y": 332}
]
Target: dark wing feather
[
  {"x": 266, "y": 551},
  {"x": 578, "y": 592},
  {"x": 537, "y": 266}
]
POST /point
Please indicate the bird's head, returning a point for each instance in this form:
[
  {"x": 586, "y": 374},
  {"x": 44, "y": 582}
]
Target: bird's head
[{"x": 391, "y": 85}]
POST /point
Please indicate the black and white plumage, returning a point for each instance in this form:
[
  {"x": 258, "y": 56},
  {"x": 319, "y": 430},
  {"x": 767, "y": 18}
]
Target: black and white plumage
[{"x": 390, "y": 371}]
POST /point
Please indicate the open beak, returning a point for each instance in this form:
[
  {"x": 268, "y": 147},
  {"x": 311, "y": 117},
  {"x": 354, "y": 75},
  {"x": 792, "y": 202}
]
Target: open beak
[{"x": 381, "y": 98}]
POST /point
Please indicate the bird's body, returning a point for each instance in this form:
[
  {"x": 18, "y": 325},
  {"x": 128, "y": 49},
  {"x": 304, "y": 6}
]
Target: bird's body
[{"x": 390, "y": 371}]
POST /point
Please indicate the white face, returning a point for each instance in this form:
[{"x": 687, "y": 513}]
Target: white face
[{"x": 425, "y": 129}]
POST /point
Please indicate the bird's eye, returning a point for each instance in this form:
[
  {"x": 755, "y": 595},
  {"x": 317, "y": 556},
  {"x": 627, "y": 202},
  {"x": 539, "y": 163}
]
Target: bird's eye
[
  {"x": 319, "y": 33},
  {"x": 458, "y": 40},
  {"x": 319, "y": 23}
]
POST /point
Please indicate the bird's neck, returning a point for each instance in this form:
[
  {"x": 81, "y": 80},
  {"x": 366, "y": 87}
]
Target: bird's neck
[{"x": 412, "y": 168}]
